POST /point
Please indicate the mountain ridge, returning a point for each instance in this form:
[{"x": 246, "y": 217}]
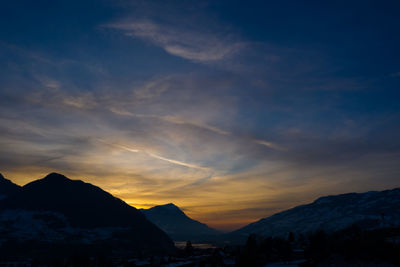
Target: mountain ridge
[
  {"x": 86, "y": 204},
  {"x": 330, "y": 213},
  {"x": 7, "y": 187},
  {"x": 74, "y": 210},
  {"x": 177, "y": 224}
]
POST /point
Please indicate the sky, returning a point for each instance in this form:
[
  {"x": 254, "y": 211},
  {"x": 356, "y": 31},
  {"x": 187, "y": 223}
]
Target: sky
[{"x": 232, "y": 110}]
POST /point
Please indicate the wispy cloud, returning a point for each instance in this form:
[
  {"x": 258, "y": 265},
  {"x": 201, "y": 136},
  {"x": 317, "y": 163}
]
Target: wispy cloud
[
  {"x": 171, "y": 119},
  {"x": 191, "y": 44},
  {"x": 269, "y": 144},
  {"x": 177, "y": 162},
  {"x": 173, "y": 161},
  {"x": 177, "y": 120},
  {"x": 260, "y": 140}
]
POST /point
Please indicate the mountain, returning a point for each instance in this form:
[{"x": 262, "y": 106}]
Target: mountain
[
  {"x": 57, "y": 210},
  {"x": 177, "y": 224},
  {"x": 7, "y": 187},
  {"x": 331, "y": 213}
]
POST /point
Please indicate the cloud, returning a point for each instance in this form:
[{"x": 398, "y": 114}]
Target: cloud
[
  {"x": 194, "y": 45},
  {"x": 177, "y": 120},
  {"x": 206, "y": 141},
  {"x": 269, "y": 144},
  {"x": 171, "y": 119},
  {"x": 173, "y": 161},
  {"x": 177, "y": 162}
]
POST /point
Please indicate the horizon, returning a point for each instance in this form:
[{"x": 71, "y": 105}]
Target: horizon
[
  {"x": 224, "y": 229},
  {"x": 231, "y": 111}
]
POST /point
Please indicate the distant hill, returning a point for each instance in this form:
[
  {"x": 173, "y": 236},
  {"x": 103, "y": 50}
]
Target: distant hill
[
  {"x": 57, "y": 210},
  {"x": 7, "y": 187},
  {"x": 330, "y": 213},
  {"x": 178, "y": 225}
]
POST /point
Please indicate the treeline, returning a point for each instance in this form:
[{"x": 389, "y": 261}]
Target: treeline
[{"x": 351, "y": 246}]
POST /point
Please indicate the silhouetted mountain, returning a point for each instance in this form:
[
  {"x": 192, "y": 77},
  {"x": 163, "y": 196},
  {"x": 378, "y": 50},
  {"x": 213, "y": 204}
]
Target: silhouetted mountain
[
  {"x": 56, "y": 209},
  {"x": 177, "y": 224},
  {"x": 331, "y": 213},
  {"x": 7, "y": 187}
]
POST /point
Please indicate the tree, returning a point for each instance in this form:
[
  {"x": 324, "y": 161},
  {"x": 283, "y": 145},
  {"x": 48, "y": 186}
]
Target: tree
[{"x": 189, "y": 248}]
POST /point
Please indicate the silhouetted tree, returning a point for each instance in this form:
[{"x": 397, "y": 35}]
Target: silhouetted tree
[
  {"x": 291, "y": 237},
  {"x": 354, "y": 245},
  {"x": 189, "y": 248},
  {"x": 318, "y": 246},
  {"x": 251, "y": 243},
  {"x": 258, "y": 252}
]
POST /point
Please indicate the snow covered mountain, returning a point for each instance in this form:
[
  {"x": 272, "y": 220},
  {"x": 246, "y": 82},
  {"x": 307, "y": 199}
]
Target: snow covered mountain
[
  {"x": 58, "y": 210},
  {"x": 331, "y": 213},
  {"x": 178, "y": 225}
]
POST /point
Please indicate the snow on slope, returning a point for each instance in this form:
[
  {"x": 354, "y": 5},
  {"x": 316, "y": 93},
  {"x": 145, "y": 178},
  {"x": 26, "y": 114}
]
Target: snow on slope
[{"x": 331, "y": 213}]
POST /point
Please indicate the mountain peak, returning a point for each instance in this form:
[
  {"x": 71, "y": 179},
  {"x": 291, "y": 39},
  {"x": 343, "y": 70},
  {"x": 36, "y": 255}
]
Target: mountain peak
[
  {"x": 1, "y": 177},
  {"x": 170, "y": 206},
  {"x": 177, "y": 224},
  {"x": 84, "y": 206},
  {"x": 56, "y": 176}
]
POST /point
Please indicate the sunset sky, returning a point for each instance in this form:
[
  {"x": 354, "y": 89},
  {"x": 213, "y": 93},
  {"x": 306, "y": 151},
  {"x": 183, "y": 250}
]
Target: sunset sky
[{"x": 232, "y": 110}]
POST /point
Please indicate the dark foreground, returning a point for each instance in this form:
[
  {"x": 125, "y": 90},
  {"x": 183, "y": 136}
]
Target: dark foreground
[{"x": 350, "y": 247}]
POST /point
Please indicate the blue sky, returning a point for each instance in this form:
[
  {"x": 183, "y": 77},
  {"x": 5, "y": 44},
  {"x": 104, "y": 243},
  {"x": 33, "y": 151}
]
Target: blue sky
[{"x": 229, "y": 108}]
